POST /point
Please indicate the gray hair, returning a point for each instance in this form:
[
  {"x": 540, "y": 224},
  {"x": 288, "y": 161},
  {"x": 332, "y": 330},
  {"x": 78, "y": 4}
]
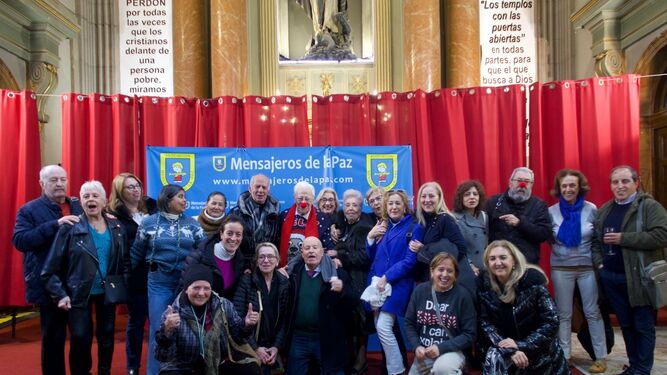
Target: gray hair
[
  {"x": 92, "y": 185},
  {"x": 352, "y": 193},
  {"x": 304, "y": 185},
  {"x": 47, "y": 170},
  {"x": 523, "y": 169},
  {"x": 255, "y": 177},
  {"x": 633, "y": 172}
]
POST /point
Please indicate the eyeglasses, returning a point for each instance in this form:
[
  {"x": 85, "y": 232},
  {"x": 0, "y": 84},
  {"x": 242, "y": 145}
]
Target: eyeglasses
[
  {"x": 376, "y": 199},
  {"x": 266, "y": 257},
  {"x": 328, "y": 200},
  {"x": 520, "y": 180},
  {"x": 133, "y": 187}
]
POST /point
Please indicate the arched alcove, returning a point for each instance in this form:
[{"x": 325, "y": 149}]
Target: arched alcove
[{"x": 7, "y": 80}]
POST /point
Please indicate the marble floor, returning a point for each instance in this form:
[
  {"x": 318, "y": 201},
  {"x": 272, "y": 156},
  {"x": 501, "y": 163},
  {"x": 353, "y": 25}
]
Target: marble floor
[{"x": 617, "y": 358}]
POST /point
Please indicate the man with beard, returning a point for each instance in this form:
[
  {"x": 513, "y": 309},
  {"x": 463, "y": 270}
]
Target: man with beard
[
  {"x": 261, "y": 215},
  {"x": 37, "y": 223},
  {"x": 518, "y": 217}
]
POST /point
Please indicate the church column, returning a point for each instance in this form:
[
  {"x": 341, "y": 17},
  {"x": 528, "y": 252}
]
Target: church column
[
  {"x": 229, "y": 49},
  {"x": 421, "y": 47},
  {"x": 462, "y": 43},
  {"x": 191, "y": 63}
]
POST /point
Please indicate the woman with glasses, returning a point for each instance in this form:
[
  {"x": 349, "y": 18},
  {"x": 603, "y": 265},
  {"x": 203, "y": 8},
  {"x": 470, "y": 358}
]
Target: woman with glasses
[
  {"x": 213, "y": 212},
  {"x": 129, "y": 205},
  {"x": 268, "y": 292},
  {"x": 392, "y": 262},
  {"x": 374, "y": 201},
  {"x": 327, "y": 203},
  {"x": 220, "y": 252},
  {"x": 163, "y": 242}
]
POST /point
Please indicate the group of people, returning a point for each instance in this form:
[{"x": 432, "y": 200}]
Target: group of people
[{"x": 254, "y": 289}]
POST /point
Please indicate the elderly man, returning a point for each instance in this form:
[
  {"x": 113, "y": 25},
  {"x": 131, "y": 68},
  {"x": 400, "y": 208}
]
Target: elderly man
[
  {"x": 320, "y": 306},
  {"x": 631, "y": 231},
  {"x": 37, "y": 223},
  {"x": 261, "y": 215},
  {"x": 302, "y": 220},
  {"x": 518, "y": 217}
]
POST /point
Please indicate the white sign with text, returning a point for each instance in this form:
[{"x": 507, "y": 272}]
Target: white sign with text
[
  {"x": 508, "y": 42},
  {"x": 146, "y": 47}
]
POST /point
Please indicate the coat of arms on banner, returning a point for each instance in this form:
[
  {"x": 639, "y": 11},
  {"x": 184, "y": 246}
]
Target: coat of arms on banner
[
  {"x": 220, "y": 163},
  {"x": 177, "y": 169},
  {"x": 382, "y": 170}
]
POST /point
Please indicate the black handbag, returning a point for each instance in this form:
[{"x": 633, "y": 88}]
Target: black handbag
[{"x": 115, "y": 290}]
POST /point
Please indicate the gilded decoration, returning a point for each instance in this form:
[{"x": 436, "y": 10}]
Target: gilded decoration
[
  {"x": 610, "y": 62},
  {"x": 326, "y": 83},
  {"x": 358, "y": 83},
  {"x": 296, "y": 85}
]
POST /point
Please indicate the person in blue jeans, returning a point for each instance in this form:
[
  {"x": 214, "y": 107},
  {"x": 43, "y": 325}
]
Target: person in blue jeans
[
  {"x": 630, "y": 232},
  {"x": 163, "y": 242}
]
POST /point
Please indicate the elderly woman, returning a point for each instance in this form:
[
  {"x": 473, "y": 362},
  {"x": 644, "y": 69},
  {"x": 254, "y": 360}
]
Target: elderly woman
[
  {"x": 129, "y": 205},
  {"x": 441, "y": 234},
  {"x": 82, "y": 258},
  {"x": 472, "y": 220},
  {"x": 327, "y": 203},
  {"x": 374, "y": 201},
  {"x": 163, "y": 242},
  {"x": 220, "y": 252},
  {"x": 267, "y": 290},
  {"x": 392, "y": 262},
  {"x": 210, "y": 217},
  {"x": 198, "y": 328},
  {"x": 440, "y": 322},
  {"x": 511, "y": 290},
  {"x": 573, "y": 220},
  {"x": 302, "y": 220}
]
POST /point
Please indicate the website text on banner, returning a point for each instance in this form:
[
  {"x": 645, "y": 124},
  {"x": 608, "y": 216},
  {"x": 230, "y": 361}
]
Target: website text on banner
[{"x": 228, "y": 170}]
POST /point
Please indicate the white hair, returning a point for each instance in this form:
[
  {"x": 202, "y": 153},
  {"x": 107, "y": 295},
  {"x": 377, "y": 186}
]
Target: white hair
[
  {"x": 90, "y": 186},
  {"x": 523, "y": 169},
  {"x": 47, "y": 170},
  {"x": 352, "y": 193},
  {"x": 301, "y": 185}
]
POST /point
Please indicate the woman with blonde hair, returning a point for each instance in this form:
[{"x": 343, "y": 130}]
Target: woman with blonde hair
[
  {"x": 130, "y": 206},
  {"x": 327, "y": 203},
  {"x": 511, "y": 290}
]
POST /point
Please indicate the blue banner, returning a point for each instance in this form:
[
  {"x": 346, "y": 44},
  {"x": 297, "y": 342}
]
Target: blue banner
[{"x": 228, "y": 170}]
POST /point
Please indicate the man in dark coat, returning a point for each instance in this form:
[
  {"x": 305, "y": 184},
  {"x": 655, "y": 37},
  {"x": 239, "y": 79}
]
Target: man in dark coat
[
  {"x": 37, "y": 223},
  {"x": 261, "y": 215},
  {"x": 320, "y": 309},
  {"x": 518, "y": 217}
]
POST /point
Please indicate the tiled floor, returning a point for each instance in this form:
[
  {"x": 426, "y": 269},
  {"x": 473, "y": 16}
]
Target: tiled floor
[{"x": 617, "y": 358}]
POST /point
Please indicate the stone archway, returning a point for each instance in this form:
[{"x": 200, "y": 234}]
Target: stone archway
[
  {"x": 7, "y": 80},
  {"x": 653, "y": 110}
]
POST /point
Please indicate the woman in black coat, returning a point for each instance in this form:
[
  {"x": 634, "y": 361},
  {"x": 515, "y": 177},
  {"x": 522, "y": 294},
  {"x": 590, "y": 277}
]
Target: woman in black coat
[
  {"x": 268, "y": 292},
  {"x": 511, "y": 291},
  {"x": 129, "y": 205},
  {"x": 220, "y": 253}
]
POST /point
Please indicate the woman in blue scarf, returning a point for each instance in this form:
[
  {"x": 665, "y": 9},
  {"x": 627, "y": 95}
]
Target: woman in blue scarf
[{"x": 572, "y": 221}]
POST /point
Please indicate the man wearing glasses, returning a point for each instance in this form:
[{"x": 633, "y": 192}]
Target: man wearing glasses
[{"x": 518, "y": 217}]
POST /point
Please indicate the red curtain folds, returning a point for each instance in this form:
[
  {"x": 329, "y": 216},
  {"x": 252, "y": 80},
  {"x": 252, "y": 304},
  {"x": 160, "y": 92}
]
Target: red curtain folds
[
  {"x": 219, "y": 122},
  {"x": 591, "y": 125},
  {"x": 19, "y": 144},
  {"x": 342, "y": 120},
  {"x": 278, "y": 121}
]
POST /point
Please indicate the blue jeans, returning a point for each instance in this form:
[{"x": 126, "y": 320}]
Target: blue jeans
[
  {"x": 637, "y": 323},
  {"x": 162, "y": 290},
  {"x": 303, "y": 349},
  {"x": 137, "y": 307},
  {"x": 564, "y": 282}
]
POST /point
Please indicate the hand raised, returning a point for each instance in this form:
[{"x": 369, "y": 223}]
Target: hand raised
[
  {"x": 251, "y": 317},
  {"x": 171, "y": 320}
]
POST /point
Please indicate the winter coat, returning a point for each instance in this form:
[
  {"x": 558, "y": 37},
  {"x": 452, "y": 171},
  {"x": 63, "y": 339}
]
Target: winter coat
[
  {"x": 254, "y": 233},
  {"x": 72, "y": 263},
  {"x": 351, "y": 248},
  {"x": 205, "y": 255},
  {"x": 534, "y": 324},
  {"x": 333, "y": 314},
  {"x": 534, "y": 224},
  {"x": 475, "y": 231},
  {"x": 649, "y": 240},
  {"x": 391, "y": 257},
  {"x": 271, "y": 333},
  {"x": 139, "y": 275},
  {"x": 34, "y": 232}
]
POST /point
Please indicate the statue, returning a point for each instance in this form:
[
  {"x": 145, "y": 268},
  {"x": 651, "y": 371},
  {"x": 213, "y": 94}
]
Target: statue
[{"x": 331, "y": 30}]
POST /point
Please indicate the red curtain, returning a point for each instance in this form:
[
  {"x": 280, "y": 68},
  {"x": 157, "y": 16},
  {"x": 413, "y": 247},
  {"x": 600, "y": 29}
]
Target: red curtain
[
  {"x": 591, "y": 125},
  {"x": 19, "y": 144},
  {"x": 219, "y": 122},
  {"x": 342, "y": 120},
  {"x": 278, "y": 121}
]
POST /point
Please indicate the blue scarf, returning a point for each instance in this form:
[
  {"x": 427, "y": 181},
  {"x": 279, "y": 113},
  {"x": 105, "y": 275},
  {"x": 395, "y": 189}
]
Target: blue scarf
[{"x": 569, "y": 233}]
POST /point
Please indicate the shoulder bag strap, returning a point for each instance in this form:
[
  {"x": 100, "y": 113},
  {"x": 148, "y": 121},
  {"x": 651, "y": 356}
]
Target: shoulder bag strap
[{"x": 436, "y": 306}]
